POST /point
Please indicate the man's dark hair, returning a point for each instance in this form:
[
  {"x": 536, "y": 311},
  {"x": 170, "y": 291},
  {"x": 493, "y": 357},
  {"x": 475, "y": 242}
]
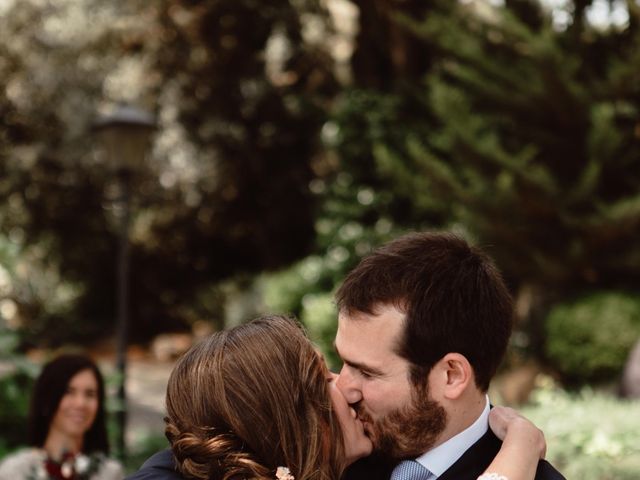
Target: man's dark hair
[
  {"x": 452, "y": 294},
  {"x": 48, "y": 391}
]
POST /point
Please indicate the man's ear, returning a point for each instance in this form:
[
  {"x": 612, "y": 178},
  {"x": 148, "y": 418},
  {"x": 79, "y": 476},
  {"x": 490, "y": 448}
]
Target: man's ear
[{"x": 455, "y": 374}]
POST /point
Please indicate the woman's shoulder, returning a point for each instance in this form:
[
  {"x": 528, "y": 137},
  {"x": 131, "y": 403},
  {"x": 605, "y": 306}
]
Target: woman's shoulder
[{"x": 19, "y": 463}]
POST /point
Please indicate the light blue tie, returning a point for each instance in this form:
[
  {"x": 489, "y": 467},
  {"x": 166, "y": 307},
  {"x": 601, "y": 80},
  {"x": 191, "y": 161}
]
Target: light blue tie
[{"x": 410, "y": 470}]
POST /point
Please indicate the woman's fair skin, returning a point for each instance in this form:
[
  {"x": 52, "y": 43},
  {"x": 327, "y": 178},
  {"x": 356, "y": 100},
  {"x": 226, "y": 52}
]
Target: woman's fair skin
[
  {"x": 523, "y": 445},
  {"x": 356, "y": 443},
  {"x": 75, "y": 414}
]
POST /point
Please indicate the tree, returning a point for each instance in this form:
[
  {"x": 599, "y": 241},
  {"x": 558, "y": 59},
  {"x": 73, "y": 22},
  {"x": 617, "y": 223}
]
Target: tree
[
  {"x": 227, "y": 190},
  {"x": 536, "y": 148},
  {"x": 520, "y": 134}
]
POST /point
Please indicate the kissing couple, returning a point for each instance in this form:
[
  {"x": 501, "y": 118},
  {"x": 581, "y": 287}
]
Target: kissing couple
[{"x": 423, "y": 323}]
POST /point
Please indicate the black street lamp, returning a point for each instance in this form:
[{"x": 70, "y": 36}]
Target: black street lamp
[{"x": 125, "y": 135}]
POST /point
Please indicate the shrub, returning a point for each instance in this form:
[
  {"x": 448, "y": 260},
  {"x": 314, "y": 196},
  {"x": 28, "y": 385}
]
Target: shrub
[
  {"x": 589, "y": 339},
  {"x": 142, "y": 449},
  {"x": 319, "y": 315},
  {"x": 16, "y": 382},
  {"x": 15, "y": 390},
  {"x": 581, "y": 443}
]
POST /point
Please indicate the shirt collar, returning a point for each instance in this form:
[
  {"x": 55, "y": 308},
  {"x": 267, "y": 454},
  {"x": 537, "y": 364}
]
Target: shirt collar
[{"x": 439, "y": 459}]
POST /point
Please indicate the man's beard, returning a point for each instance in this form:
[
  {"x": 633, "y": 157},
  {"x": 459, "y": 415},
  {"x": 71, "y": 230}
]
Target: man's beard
[{"x": 407, "y": 432}]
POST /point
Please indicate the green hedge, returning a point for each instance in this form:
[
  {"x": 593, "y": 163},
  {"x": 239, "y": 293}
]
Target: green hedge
[
  {"x": 589, "y": 339},
  {"x": 15, "y": 392},
  {"x": 590, "y": 435}
]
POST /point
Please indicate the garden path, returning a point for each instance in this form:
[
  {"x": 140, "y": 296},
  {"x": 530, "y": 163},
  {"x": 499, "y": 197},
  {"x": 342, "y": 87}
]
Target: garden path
[{"x": 146, "y": 387}]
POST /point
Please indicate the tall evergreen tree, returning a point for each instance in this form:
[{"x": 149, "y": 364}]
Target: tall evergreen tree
[
  {"x": 536, "y": 145},
  {"x": 522, "y": 134}
]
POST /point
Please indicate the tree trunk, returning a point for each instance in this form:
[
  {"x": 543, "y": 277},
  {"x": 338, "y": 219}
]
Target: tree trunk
[{"x": 630, "y": 384}]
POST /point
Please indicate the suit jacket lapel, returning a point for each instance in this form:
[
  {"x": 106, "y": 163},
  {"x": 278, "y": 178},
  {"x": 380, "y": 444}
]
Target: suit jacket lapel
[
  {"x": 475, "y": 460},
  {"x": 369, "y": 468}
]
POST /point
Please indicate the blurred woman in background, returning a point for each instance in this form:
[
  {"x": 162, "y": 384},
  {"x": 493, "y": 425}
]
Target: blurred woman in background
[{"x": 67, "y": 428}]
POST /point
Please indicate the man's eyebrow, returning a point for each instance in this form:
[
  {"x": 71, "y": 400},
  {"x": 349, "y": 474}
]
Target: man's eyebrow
[{"x": 358, "y": 365}]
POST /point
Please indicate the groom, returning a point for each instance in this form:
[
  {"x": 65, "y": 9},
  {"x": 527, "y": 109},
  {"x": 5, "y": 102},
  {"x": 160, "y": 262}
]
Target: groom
[{"x": 423, "y": 324}]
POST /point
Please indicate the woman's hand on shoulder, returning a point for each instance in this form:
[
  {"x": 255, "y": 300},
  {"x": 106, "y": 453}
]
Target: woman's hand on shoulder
[
  {"x": 523, "y": 446},
  {"x": 509, "y": 426}
]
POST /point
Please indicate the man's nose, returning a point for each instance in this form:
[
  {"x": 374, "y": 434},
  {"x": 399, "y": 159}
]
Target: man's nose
[{"x": 348, "y": 385}]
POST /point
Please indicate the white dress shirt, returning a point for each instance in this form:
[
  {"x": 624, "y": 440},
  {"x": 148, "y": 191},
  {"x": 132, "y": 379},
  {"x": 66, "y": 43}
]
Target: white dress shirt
[{"x": 439, "y": 459}]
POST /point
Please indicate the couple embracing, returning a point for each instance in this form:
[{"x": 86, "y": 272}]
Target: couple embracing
[{"x": 423, "y": 324}]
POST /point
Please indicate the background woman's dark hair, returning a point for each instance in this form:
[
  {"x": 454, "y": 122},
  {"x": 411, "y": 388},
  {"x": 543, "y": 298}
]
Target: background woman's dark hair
[{"x": 48, "y": 391}]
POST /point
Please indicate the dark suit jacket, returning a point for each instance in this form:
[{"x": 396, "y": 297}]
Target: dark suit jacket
[
  {"x": 475, "y": 460},
  {"x": 369, "y": 468},
  {"x": 158, "y": 467},
  {"x": 468, "y": 467}
]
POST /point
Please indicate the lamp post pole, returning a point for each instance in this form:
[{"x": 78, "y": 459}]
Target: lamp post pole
[
  {"x": 125, "y": 136},
  {"x": 122, "y": 303}
]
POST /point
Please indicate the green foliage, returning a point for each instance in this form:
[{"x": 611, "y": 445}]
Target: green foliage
[
  {"x": 589, "y": 339},
  {"x": 17, "y": 376},
  {"x": 534, "y": 145},
  {"x": 492, "y": 121},
  {"x": 590, "y": 435},
  {"x": 227, "y": 189},
  {"x": 297, "y": 291},
  {"x": 143, "y": 449},
  {"x": 15, "y": 393},
  {"x": 319, "y": 315},
  {"x": 520, "y": 134},
  {"x": 38, "y": 301}
]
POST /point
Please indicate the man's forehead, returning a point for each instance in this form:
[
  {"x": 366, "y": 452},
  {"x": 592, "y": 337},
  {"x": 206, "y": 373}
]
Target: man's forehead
[
  {"x": 383, "y": 316},
  {"x": 374, "y": 310},
  {"x": 360, "y": 333}
]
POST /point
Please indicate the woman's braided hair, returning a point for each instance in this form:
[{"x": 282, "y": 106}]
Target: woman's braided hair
[
  {"x": 247, "y": 400},
  {"x": 208, "y": 455}
]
